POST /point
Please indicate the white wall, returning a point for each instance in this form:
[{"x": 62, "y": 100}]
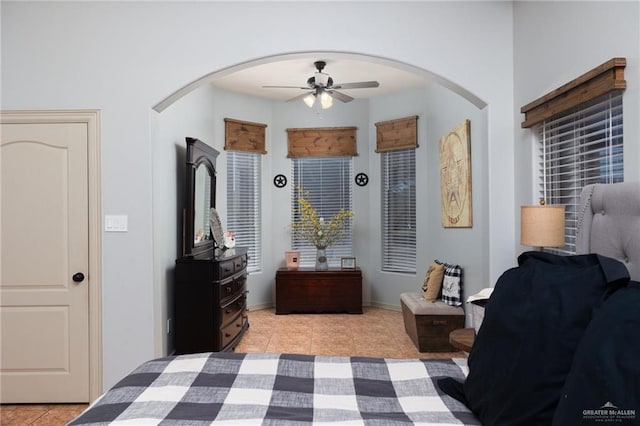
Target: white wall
[
  {"x": 123, "y": 58},
  {"x": 577, "y": 37},
  {"x": 438, "y": 110},
  {"x": 201, "y": 115}
]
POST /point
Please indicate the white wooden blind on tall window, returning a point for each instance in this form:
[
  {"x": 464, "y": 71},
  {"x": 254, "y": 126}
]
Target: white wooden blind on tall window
[
  {"x": 327, "y": 182},
  {"x": 580, "y": 147},
  {"x": 399, "y": 210},
  {"x": 244, "y": 204}
]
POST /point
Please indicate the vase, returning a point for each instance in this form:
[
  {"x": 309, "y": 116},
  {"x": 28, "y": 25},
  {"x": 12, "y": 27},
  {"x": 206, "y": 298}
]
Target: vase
[{"x": 321, "y": 259}]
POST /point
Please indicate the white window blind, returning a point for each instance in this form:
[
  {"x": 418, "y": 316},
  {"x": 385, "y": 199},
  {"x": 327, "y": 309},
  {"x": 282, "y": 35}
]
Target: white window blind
[
  {"x": 580, "y": 147},
  {"x": 327, "y": 185},
  {"x": 243, "y": 204},
  {"x": 399, "y": 211}
]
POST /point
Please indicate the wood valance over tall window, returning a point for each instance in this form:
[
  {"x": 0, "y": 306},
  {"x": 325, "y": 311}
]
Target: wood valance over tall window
[
  {"x": 401, "y": 133},
  {"x": 244, "y": 136},
  {"x": 601, "y": 80},
  {"x": 322, "y": 142}
]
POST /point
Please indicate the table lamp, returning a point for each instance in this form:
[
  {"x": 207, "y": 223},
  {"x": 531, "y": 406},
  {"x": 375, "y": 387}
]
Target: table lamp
[{"x": 542, "y": 226}]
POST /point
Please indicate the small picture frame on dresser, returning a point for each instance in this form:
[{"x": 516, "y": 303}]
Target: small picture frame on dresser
[{"x": 348, "y": 262}]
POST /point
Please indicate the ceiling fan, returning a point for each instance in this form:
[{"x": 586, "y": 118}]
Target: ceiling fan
[{"x": 321, "y": 86}]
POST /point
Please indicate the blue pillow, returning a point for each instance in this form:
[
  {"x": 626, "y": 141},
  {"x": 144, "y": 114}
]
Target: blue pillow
[{"x": 533, "y": 323}]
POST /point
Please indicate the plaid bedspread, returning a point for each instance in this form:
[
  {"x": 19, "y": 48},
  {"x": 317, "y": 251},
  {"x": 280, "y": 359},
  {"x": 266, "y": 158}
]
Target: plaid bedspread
[{"x": 281, "y": 389}]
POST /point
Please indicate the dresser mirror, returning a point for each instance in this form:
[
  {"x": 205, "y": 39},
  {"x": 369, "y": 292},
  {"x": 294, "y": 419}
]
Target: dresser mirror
[{"x": 200, "y": 197}]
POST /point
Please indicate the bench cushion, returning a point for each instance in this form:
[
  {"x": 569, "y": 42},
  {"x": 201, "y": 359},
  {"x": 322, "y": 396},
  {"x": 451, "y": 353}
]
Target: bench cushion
[{"x": 419, "y": 306}]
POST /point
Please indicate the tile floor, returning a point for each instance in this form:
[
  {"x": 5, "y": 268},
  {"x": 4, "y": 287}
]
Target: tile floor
[{"x": 377, "y": 333}]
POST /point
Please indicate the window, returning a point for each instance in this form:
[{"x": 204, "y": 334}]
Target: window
[
  {"x": 399, "y": 210},
  {"x": 580, "y": 147},
  {"x": 243, "y": 203},
  {"x": 327, "y": 181}
]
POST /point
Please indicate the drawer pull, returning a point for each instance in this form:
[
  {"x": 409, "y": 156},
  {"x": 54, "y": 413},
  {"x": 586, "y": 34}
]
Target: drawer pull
[
  {"x": 227, "y": 334},
  {"x": 238, "y": 325},
  {"x": 229, "y": 290},
  {"x": 227, "y": 311},
  {"x": 439, "y": 322}
]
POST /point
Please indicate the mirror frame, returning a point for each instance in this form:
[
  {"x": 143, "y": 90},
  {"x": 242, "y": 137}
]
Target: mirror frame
[{"x": 198, "y": 154}]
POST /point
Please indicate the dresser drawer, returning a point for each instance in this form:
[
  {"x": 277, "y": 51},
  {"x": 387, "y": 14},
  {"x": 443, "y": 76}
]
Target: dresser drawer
[
  {"x": 228, "y": 312},
  {"x": 229, "y": 332},
  {"x": 230, "y": 267},
  {"x": 226, "y": 269},
  {"x": 232, "y": 288},
  {"x": 240, "y": 263}
]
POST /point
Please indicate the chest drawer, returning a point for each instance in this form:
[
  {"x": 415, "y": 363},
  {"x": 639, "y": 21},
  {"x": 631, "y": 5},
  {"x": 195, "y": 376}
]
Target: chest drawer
[
  {"x": 231, "y": 331},
  {"x": 231, "y": 289},
  {"x": 230, "y": 267},
  {"x": 228, "y": 312}
]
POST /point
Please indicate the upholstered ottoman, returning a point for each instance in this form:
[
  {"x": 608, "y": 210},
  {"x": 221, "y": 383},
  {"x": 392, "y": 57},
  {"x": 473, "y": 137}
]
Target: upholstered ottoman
[{"x": 428, "y": 324}]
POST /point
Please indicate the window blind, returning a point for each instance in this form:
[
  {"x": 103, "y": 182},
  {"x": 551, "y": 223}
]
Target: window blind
[
  {"x": 244, "y": 204},
  {"x": 580, "y": 147},
  {"x": 399, "y": 211},
  {"x": 327, "y": 185}
]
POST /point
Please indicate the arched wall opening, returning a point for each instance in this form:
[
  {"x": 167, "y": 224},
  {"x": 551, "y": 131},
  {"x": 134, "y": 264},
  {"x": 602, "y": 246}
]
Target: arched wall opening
[{"x": 198, "y": 110}]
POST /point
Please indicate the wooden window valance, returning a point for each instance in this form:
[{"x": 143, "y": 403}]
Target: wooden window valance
[
  {"x": 244, "y": 136},
  {"x": 597, "y": 82},
  {"x": 322, "y": 142},
  {"x": 401, "y": 133}
]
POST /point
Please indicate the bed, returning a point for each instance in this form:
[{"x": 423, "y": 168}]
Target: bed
[{"x": 281, "y": 389}]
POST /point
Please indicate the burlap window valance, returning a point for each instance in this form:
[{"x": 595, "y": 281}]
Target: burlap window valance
[
  {"x": 401, "y": 133},
  {"x": 322, "y": 142},
  {"x": 244, "y": 136}
]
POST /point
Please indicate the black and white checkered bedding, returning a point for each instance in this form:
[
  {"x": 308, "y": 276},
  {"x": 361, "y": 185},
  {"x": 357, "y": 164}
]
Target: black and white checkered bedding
[{"x": 281, "y": 389}]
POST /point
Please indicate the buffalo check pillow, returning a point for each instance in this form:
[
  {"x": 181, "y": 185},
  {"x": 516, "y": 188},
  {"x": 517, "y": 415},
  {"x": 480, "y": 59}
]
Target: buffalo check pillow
[{"x": 452, "y": 285}]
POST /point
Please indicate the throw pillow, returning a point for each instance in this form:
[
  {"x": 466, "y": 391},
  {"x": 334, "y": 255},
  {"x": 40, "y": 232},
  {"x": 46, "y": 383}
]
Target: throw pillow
[
  {"x": 452, "y": 285},
  {"x": 533, "y": 323},
  {"x": 433, "y": 281}
]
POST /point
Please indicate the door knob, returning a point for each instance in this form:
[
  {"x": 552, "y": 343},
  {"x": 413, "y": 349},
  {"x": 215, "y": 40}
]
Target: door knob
[{"x": 78, "y": 277}]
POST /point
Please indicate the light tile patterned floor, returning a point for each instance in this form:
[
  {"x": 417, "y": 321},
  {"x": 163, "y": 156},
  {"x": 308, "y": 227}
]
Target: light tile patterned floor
[{"x": 377, "y": 333}]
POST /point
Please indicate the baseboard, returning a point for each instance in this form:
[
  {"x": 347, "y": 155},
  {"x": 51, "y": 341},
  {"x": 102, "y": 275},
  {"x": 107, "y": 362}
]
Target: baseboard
[
  {"x": 374, "y": 304},
  {"x": 386, "y": 306},
  {"x": 260, "y": 307}
]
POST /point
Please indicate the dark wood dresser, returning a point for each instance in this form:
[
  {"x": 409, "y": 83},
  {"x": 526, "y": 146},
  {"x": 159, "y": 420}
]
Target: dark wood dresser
[
  {"x": 211, "y": 301},
  {"x": 307, "y": 290}
]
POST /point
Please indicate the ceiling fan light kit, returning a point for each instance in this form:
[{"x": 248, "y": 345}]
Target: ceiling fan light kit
[
  {"x": 321, "y": 85},
  {"x": 310, "y": 99}
]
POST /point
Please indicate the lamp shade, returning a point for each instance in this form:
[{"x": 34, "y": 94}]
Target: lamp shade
[
  {"x": 310, "y": 99},
  {"x": 542, "y": 226},
  {"x": 326, "y": 100}
]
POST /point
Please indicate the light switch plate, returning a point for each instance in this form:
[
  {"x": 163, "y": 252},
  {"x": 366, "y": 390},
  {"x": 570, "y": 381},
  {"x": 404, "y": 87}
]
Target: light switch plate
[{"x": 116, "y": 223}]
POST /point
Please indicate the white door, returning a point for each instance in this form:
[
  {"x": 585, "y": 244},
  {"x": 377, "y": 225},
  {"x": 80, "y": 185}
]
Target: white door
[{"x": 44, "y": 286}]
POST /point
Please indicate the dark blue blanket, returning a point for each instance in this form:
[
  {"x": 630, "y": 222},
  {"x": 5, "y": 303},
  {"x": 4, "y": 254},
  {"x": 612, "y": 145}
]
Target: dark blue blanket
[
  {"x": 533, "y": 323},
  {"x": 603, "y": 385}
]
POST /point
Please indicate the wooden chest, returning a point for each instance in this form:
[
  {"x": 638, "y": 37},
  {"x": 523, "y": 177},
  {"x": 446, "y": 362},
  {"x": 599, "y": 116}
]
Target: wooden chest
[
  {"x": 308, "y": 290},
  {"x": 430, "y": 331}
]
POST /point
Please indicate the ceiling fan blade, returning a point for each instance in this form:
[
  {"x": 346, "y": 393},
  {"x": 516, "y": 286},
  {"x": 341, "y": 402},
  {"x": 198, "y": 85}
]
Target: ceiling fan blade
[
  {"x": 340, "y": 96},
  {"x": 358, "y": 85},
  {"x": 285, "y": 87},
  {"x": 297, "y": 98}
]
